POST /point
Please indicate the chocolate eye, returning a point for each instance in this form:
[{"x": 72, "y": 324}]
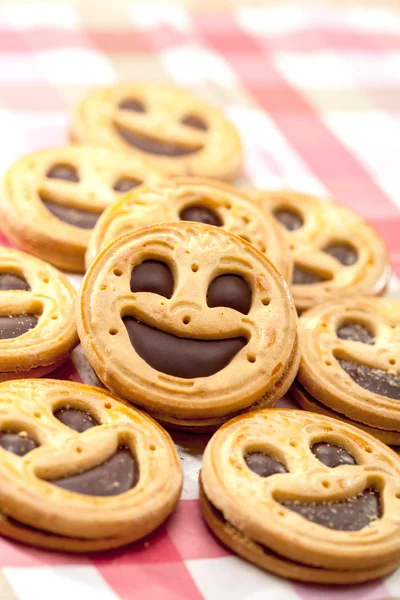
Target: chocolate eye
[
  {"x": 132, "y": 104},
  {"x": 355, "y": 332},
  {"x": 11, "y": 281},
  {"x": 263, "y": 464},
  {"x": 125, "y": 184},
  {"x": 332, "y": 455},
  {"x": 201, "y": 214},
  {"x": 345, "y": 253},
  {"x": 153, "y": 276},
  {"x": 195, "y": 122},
  {"x": 78, "y": 420},
  {"x": 289, "y": 218},
  {"x": 17, "y": 443},
  {"x": 66, "y": 172},
  {"x": 231, "y": 291}
]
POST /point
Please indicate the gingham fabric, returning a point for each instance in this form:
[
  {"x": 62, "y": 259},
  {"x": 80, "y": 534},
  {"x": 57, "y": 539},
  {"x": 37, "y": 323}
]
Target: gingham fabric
[{"x": 315, "y": 95}]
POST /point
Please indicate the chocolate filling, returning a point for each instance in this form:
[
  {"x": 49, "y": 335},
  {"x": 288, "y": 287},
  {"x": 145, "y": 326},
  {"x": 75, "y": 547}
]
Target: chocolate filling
[
  {"x": 126, "y": 183},
  {"x": 115, "y": 476},
  {"x": 332, "y": 455},
  {"x": 153, "y": 145},
  {"x": 153, "y": 276},
  {"x": 84, "y": 219},
  {"x": 375, "y": 380},
  {"x": 263, "y": 464},
  {"x": 182, "y": 357},
  {"x": 355, "y": 332},
  {"x": 351, "y": 514},
  {"x": 132, "y": 104},
  {"x": 200, "y": 214},
  {"x": 196, "y": 122},
  {"x": 289, "y": 219},
  {"x": 231, "y": 291},
  {"x": 10, "y": 281},
  {"x": 344, "y": 253},
  {"x": 17, "y": 443},
  {"x": 303, "y": 276},
  {"x": 13, "y": 326},
  {"x": 65, "y": 172},
  {"x": 75, "y": 419}
]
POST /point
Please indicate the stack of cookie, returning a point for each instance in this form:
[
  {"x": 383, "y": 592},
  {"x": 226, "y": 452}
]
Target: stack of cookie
[{"x": 188, "y": 311}]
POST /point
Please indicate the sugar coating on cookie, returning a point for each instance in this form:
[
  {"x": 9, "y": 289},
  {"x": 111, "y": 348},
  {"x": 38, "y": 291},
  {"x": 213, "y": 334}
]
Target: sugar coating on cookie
[
  {"x": 178, "y": 132},
  {"x": 335, "y": 252},
  {"x": 304, "y": 496},
  {"x": 193, "y": 199},
  {"x": 190, "y": 322},
  {"x": 80, "y": 470}
]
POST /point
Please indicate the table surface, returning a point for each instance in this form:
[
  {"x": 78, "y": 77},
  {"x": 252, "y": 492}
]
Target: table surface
[{"x": 314, "y": 93}]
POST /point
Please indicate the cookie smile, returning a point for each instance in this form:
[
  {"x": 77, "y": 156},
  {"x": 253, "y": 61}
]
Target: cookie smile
[
  {"x": 188, "y": 358},
  {"x": 84, "y": 219},
  {"x": 153, "y": 145}
]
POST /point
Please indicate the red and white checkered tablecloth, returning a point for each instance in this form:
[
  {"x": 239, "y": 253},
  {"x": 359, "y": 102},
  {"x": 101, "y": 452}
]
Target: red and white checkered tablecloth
[{"x": 315, "y": 93}]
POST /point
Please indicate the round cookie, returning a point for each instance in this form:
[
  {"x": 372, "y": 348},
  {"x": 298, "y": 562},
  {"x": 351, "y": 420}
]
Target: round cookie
[
  {"x": 304, "y": 496},
  {"x": 192, "y": 199},
  {"x": 179, "y": 133},
  {"x": 190, "y": 322},
  {"x": 350, "y": 362},
  {"x": 80, "y": 470},
  {"x": 335, "y": 252},
  {"x": 52, "y": 199},
  {"x": 37, "y": 316}
]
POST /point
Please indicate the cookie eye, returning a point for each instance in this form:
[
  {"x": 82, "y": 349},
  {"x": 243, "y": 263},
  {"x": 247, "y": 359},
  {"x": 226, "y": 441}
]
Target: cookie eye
[
  {"x": 289, "y": 218},
  {"x": 332, "y": 455},
  {"x": 153, "y": 276},
  {"x": 355, "y": 332},
  {"x": 78, "y": 420},
  {"x": 132, "y": 104},
  {"x": 263, "y": 464},
  {"x": 66, "y": 172},
  {"x": 195, "y": 122},
  {"x": 125, "y": 184},
  {"x": 201, "y": 214},
  {"x": 231, "y": 291},
  {"x": 17, "y": 443},
  {"x": 345, "y": 253},
  {"x": 11, "y": 281}
]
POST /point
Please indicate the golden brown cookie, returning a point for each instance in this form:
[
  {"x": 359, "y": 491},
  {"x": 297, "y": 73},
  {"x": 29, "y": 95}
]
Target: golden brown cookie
[
  {"x": 37, "y": 316},
  {"x": 335, "y": 252},
  {"x": 80, "y": 470},
  {"x": 52, "y": 199},
  {"x": 350, "y": 352},
  {"x": 190, "y": 322},
  {"x": 179, "y": 133},
  {"x": 192, "y": 199},
  {"x": 304, "y": 496}
]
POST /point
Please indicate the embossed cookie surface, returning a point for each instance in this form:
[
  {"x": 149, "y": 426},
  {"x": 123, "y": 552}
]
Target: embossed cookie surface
[
  {"x": 350, "y": 361},
  {"x": 304, "y": 496},
  {"x": 178, "y": 132},
  {"x": 190, "y": 322},
  {"x": 52, "y": 199},
  {"x": 80, "y": 470},
  {"x": 335, "y": 252},
  {"x": 37, "y": 316},
  {"x": 193, "y": 199}
]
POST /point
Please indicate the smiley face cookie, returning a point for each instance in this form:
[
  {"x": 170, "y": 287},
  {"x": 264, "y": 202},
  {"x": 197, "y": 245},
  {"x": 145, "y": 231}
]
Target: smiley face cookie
[
  {"x": 179, "y": 133},
  {"x": 335, "y": 252},
  {"x": 37, "y": 316},
  {"x": 304, "y": 496},
  {"x": 81, "y": 471},
  {"x": 350, "y": 363},
  {"x": 52, "y": 199},
  {"x": 192, "y": 199},
  {"x": 190, "y": 322}
]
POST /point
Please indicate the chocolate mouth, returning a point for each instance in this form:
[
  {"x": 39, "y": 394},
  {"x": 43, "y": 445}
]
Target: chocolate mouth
[
  {"x": 153, "y": 145},
  {"x": 84, "y": 219},
  {"x": 188, "y": 358}
]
